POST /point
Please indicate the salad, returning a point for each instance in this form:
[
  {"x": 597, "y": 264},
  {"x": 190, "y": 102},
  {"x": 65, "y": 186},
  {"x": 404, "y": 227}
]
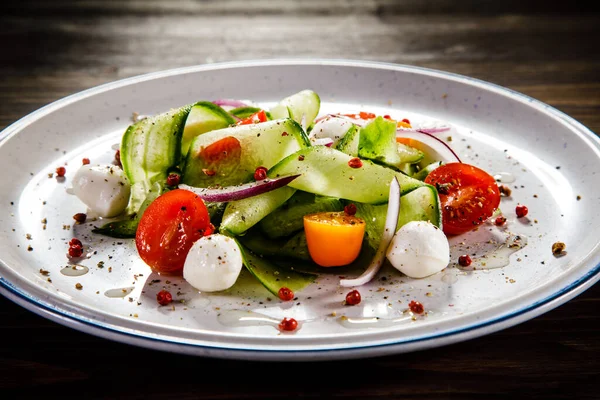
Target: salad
[{"x": 213, "y": 187}]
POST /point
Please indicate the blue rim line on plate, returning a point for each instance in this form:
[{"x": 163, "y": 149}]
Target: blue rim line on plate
[{"x": 61, "y": 316}]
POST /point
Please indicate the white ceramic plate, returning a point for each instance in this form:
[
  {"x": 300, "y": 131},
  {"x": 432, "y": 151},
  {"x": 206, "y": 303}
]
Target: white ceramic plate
[{"x": 552, "y": 158}]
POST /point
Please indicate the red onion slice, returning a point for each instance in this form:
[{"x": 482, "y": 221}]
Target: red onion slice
[
  {"x": 438, "y": 129},
  {"x": 436, "y": 148},
  {"x": 391, "y": 221},
  {"x": 231, "y": 193},
  {"x": 230, "y": 103}
]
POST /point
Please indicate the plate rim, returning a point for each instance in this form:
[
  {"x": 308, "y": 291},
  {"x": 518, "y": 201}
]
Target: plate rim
[{"x": 465, "y": 332}]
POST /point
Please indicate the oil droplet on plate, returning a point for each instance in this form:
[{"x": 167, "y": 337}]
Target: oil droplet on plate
[
  {"x": 119, "y": 292},
  {"x": 500, "y": 256},
  {"x": 74, "y": 270},
  {"x": 504, "y": 177},
  {"x": 449, "y": 278},
  {"x": 372, "y": 322},
  {"x": 237, "y": 318}
]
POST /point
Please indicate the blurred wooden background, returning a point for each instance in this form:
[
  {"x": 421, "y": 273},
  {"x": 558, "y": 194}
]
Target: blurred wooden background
[{"x": 548, "y": 50}]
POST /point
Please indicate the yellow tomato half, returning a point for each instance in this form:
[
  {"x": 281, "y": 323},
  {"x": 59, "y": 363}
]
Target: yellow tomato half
[{"x": 334, "y": 238}]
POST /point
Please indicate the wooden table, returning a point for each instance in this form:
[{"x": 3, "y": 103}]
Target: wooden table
[{"x": 548, "y": 51}]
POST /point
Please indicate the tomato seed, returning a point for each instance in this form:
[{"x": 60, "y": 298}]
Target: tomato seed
[
  {"x": 288, "y": 324},
  {"x": 353, "y": 298},
  {"x": 464, "y": 260},
  {"x": 416, "y": 307},
  {"x": 355, "y": 162},
  {"x": 164, "y": 297},
  {"x": 521, "y": 210},
  {"x": 285, "y": 294}
]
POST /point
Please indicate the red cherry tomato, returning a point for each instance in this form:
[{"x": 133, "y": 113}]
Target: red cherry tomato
[
  {"x": 227, "y": 148},
  {"x": 169, "y": 227},
  {"x": 257, "y": 117},
  {"x": 468, "y": 196}
]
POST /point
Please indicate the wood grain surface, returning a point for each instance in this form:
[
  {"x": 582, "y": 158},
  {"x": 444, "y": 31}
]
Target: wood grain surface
[{"x": 548, "y": 50}]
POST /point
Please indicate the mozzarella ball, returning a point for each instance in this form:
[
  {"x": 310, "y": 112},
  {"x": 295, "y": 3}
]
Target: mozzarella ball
[
  {"x": 419, "y": 249},
  {"x": 213, "y": 263},
  {"x": 331, "y": 127},
  {"x": 103, "y": 188}
]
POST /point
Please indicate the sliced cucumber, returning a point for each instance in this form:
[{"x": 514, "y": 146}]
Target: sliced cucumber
[
  {"x": 422, "y": 174},
  {"x": 203, "y": 117},
  {"x": 289, "y": 218},
  {"x": 325, "y": 171},
  {"x": 349, "y": 143},
  {"x": 296, "y": 246},
  {"x": 293, "y": 247},
  {"x": 303, "y": 107},
  {"x": 245, "y": 112},
  {"x": 210, "y": 163},
  {"x": 272, "y": 276},
  {"x": 409, "y": 154},
  {"x": 241, "y": 215},
  {"x": 377, "y": 142},
  {"x": 408, "y": 169},
  {"x": 421, "y": 204},
  {"x": 151, "y": 148}
]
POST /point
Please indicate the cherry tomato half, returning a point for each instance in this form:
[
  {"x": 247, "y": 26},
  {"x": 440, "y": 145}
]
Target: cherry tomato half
[
  {"x": 257, "y": 117},
  {"x": 169, "y": 227},
  {"x": 333, "y": 238},
  {"x": 228, "y": 148},
  {"x": 468, "y": 196}
]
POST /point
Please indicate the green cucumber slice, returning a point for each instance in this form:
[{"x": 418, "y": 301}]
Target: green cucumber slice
[
  {"x": 377, "y": 142},
  {"x": 303, "y": 107},
  {"x": 422, "y": 174},
  {"x": 289, "y": 218},
  {"x": 325, "y": 171},
  {"x": 204, "y": 117},
  {"x": 245, "y": 112},
  {"x": 241, "y": 215},
  {"x": 262, "y": 144},
  {"x": 272, "y": 276},
  {"x": 422, "y": 204},
  {"x": 151, "y": 148},
  {"x": 293, "y": 247},
  {"x": 349, "y": 143}
]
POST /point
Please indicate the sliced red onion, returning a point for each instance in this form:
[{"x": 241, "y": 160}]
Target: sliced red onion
[
  {"x": 231, "y": 193},
  {"x": 391, "y": 221},
  {"x": 434, "y": 130},
  {"x": 443, "y": 151},
  {"x": 230, "y": 103}
]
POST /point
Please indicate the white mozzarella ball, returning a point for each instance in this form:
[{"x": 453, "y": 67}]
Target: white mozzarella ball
[
  {"x": 330, "y": 127},
  {"x": 103, "y": 188},
  {"x": 419, "y": 249},
  {"x": 213, "y": 263}
]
